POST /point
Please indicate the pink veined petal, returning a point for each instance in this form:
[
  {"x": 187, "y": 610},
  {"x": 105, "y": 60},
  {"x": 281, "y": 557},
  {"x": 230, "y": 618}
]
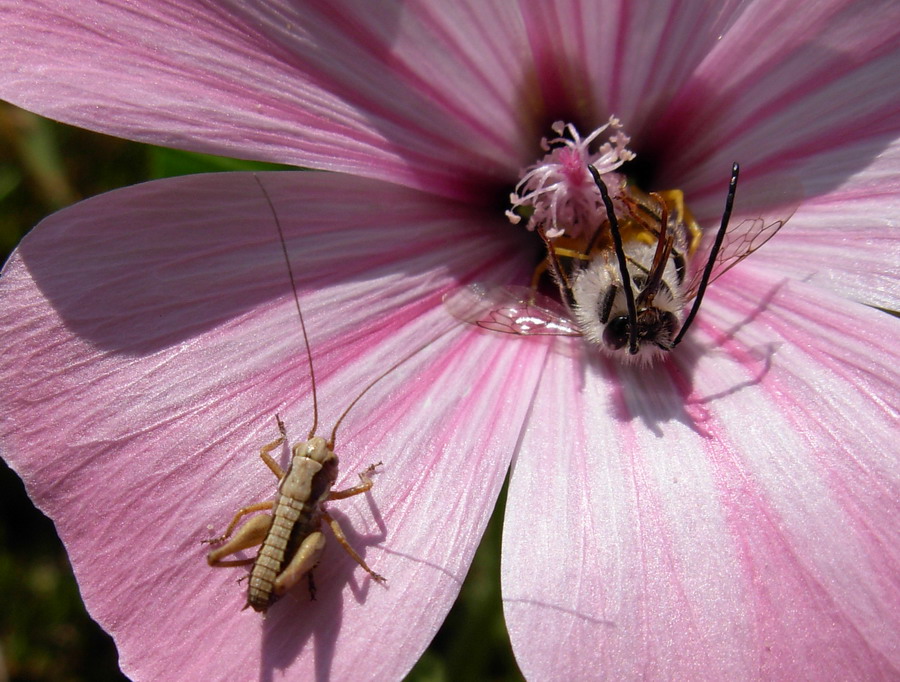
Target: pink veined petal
[
  {"x": 150, "y": 338},
  {"x": 424, "y": 94},
  {"x": 783, "y": 87},
  {"x": 843, "y": 235},
  {"x": 847, "y": 240},
  {"x": 633, "y": 55},
  {"x": 435, "y": 96},
  {"x": 857, "y": 262},
  {"x": 731, "y": 517}
]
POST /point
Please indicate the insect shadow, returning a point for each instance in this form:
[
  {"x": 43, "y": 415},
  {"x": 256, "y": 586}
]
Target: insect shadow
[{"x": 688, "y": 408}]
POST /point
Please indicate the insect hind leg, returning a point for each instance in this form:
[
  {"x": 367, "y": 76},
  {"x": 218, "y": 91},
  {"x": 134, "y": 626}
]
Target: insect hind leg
[
  {"x": 241, "y": 513},
  {"x": 249, "y": 535},
  {"x": 342, "y": 539},
  {"x": 303, "y": 562},
  {"x": 311, "y": 586}
]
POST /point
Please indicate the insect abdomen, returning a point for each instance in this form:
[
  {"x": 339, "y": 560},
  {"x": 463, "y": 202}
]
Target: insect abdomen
[{"x": 271, "y": 557}]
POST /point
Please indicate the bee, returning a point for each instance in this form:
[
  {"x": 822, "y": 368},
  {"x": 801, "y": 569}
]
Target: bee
[{"x": 627, "y": 287}]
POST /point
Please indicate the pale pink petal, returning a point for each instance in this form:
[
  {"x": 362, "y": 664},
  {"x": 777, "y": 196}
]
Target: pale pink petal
[
  {"x": 843, "y": 235},
  {"x": 448, "y": 97},
  {"x": 425, "y": 94},
  {"x": 783, "y": 86},
  {"x": 150, "y": 337},
  {"x": 847, "y": 240},
  {"x": 728, "y": 517},
  {"x": 724, "y": 517}
]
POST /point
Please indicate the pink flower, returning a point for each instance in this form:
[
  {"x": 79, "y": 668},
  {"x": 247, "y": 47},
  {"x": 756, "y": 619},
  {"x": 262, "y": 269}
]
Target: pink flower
[{"x": 729, "y": 514}]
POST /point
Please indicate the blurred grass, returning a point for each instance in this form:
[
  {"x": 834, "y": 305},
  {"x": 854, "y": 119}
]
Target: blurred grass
[{"x": 45, "y": 632}]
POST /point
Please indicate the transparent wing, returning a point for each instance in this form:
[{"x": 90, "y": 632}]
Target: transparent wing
[
  {"x": 740, "y": 242},
  {"x": 511, "y": 310},
  {"x": 761, "y": 208}
]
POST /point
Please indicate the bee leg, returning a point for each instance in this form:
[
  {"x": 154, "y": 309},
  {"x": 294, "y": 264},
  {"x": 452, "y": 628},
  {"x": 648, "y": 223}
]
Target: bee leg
[
  {"x": 304, "y": 560},
  {"x": 539, "y": 271},
  {"x": 552, "y": 263},
  {"x": 342, "y": 539},
  {"x": 365, "y": 485},
  {"x": 250, "y": 534}
]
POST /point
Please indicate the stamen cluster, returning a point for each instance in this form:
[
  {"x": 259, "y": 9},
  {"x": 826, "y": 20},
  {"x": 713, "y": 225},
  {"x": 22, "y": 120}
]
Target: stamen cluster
[{"x": 557, "y": 194}]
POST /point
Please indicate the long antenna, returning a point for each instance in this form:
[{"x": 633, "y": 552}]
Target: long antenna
[
  {"x": 620, "y": 255},
  {"x": 379, "y": 378},
  {"x": 287, "y": 260},
  {"x": 711, "y": 261}
]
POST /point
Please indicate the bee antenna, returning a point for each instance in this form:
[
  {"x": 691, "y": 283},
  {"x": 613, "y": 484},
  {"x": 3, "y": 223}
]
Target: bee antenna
[
  {"x": 711, "y": 261},
  {"x": 287, "y": 260},
  {"x": 620, "y": 255}
]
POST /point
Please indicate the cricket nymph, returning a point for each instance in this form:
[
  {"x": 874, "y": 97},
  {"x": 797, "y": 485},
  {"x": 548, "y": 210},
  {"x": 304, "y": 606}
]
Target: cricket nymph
[
  {"x": 296, "y": 523},
  {"x": 290, "y": 538}
]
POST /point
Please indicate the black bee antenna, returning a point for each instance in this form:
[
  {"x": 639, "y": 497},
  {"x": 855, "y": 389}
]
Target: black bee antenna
[
  {"x": 620, "y": 255},
  {"x": 711, "y": 261},
  {"x": 287, "y": 260}
]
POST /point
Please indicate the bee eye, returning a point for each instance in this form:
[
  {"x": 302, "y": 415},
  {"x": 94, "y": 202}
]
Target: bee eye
[{"x": 615, "y": 335}]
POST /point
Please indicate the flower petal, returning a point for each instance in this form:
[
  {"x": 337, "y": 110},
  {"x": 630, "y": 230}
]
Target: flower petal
[
  {"x": 632, "y": 57},
  {"x": 728, "y": 517},
  {"x": 151, "y": 336},
  {"x": 420, "y": 94},
  {"x": 842, "y": 236},
  {"x": 847, "y": 240},
  {"x": 783, "y": 87}
]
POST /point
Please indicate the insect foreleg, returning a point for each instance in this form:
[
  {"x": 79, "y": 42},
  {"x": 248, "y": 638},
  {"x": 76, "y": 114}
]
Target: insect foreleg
[
  {"x": 342, "y": 539},
  {"x": 265, "y": 450},
  {"x": 552, "y": 260},
  {"x": 364, "y": 486},
  {"x": 250, "y": 534}
]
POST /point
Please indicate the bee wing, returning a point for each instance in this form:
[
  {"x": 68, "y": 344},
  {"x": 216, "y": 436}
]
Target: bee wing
[
  {"x": 761, "y": 208},
  {"x": 510, "y": 309}
]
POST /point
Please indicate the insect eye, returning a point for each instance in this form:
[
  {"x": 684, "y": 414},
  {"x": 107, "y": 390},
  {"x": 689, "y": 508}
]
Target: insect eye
[{"x": 615, "y": 335}]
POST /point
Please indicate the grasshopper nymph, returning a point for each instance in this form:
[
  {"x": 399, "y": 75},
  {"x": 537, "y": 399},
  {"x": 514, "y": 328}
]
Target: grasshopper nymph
[{"x": 291, "y": 538}]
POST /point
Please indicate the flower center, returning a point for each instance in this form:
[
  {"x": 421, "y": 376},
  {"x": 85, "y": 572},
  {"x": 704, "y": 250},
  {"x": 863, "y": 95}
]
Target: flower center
[{"x": 557, "y": 194}]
